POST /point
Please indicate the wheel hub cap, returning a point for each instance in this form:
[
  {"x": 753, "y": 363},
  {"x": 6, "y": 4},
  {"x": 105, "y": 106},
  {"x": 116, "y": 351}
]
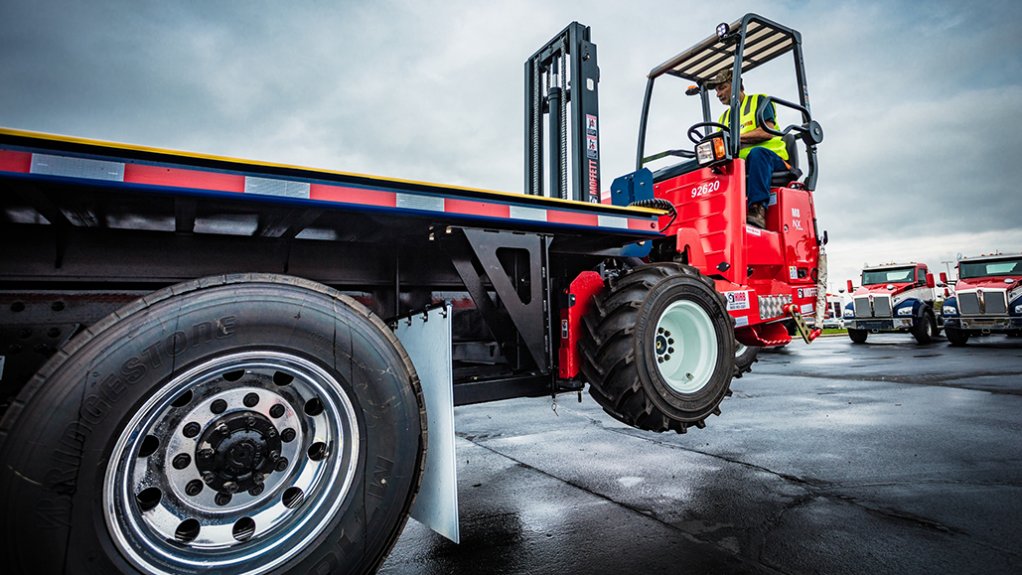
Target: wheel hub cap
[{"x": 237, "y": 451}]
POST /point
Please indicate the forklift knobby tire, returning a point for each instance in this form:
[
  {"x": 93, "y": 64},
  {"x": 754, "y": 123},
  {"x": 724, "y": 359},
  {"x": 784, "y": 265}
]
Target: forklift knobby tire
[
  {"x": 925, "y": 328},
  {"x": 956, "y": 337},
  {"x": 858, "y": 335},
  {"x": 745, "y": 356},
  {"x": 104, "y": 450},
  {"x": 682, "y": 382}
]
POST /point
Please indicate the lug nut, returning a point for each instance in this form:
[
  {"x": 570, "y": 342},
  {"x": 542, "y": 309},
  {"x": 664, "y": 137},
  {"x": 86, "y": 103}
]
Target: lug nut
[
  {"x": 205, "y": 454},
  {"x": 256, "y": 490},
  {"x": 222, "y": 499},
  {"x": 230, "y": 487},
  {"x": 218, "y": 406},
  {"x": 193, "y": 488},
  {"x": 192, "y": 429},
  {"x": 181, "y": 460},
  {"x": 208, "y": 477},
  {"x": 223, "y": 430},
  {"x": 281, "y": 464},
  {"x": 288, "y": 435},
  {"x": 251, "y": 400},
  {"x": 277, "y": 410}
]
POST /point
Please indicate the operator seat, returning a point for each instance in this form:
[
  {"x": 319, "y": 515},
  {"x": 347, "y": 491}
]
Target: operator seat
[{"x": 784, "y": 177}]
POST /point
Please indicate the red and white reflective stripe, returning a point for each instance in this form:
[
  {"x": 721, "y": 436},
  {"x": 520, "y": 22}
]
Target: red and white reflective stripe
[{"x": 42, "y": 164}]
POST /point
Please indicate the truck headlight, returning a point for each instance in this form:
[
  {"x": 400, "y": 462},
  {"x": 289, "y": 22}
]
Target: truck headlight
[
  {"x": 905, "y": 310},
  {"x": 949, "y": 310},
  {"x": 1018, "y": 310},
  {"x": 849, "y": 313}
]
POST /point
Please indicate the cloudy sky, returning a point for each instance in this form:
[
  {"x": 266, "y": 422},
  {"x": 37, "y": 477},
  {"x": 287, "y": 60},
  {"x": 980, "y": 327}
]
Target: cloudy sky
[{"x": 920, "y": 101}]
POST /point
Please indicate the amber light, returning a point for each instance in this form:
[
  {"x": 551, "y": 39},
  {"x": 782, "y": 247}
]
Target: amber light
[{"x": 718, "y": 148}]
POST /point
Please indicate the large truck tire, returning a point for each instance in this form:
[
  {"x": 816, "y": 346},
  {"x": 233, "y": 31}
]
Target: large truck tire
[
  {"x": 956, "y": 337},
  {"x": 925, "y": 328},
  {"x": 658, "y": 348},
  {"x": 247, "y": 424},
  {"x": 857, "y": 335},
  {"x": 745, "y": 356}
]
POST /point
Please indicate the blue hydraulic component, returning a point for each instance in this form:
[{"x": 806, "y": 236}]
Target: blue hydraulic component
[
  {"x": 631, "y": 188},
  {"x": 625, "y": 191}
]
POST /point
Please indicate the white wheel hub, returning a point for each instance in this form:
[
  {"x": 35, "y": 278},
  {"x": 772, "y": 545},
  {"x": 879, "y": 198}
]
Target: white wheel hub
[{"x": 685, "y": 346}]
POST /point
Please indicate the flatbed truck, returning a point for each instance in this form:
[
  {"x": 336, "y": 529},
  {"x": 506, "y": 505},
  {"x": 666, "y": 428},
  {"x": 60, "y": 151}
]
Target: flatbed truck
[{"x": 234, "y": 366}]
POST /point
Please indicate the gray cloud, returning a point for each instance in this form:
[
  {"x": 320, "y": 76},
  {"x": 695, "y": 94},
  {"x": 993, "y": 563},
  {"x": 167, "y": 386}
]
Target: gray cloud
[{"x": 917, "y": 101}]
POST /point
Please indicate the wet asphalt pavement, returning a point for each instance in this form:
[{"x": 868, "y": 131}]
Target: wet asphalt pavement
[{"x": 832, "y": 458}]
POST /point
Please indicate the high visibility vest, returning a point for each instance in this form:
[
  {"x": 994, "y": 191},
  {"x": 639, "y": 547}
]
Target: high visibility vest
[{"x": 748, "y": 119}]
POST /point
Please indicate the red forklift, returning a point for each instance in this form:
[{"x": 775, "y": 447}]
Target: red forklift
[{"x": 770, "y": 278}]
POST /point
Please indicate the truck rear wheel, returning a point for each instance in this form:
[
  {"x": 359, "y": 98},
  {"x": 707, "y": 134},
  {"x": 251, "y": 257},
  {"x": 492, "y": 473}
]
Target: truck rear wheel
[
  {"x": 248, "y": 424},
  {"x": 857, "y": 335},
  {"x": 659, "y": 348},
  {"x": 925, "y": 328},
  {"x": 956, "y": 337}
]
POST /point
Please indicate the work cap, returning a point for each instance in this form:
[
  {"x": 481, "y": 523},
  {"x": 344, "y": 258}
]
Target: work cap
[{"x": 722, "y": 77}]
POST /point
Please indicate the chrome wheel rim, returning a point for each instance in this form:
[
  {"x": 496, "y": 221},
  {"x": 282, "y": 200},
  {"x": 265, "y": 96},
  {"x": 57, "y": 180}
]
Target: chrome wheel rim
[
  {"x": 247, "y": 456},
  {"x": 685, "y": 346}
]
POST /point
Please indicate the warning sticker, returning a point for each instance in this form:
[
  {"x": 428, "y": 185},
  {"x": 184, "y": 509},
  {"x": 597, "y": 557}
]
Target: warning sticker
[
  {"x": 590, "y": 124},
  {"x": 741, "y": 321},
  {"x": 753, "y": 231},
  {"x": 807, "y": 309},
  {"x": 793, "y": 272},
  {"x": 591, "y": 146},
  {"x": 737, "y": 300},
  {"x": 806, "y": 292}
]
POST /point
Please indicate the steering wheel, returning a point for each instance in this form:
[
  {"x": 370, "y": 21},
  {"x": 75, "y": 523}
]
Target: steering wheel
[{"x": 696, "y": 136}]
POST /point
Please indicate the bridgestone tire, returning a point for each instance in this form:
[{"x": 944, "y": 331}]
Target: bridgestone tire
[
  {"x": 675, "y": 306},
  {"x": 79, "y": 423},
  {"x": 745, "y": 356},
  {"x": 858, "y": 335},
  {"x": 924, "y": 330},
  {"x": 955, "y": 336}
]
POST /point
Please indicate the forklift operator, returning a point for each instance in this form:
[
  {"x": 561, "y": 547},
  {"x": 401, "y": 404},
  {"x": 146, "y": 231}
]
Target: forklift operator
[{"x": 764, "y": 153}]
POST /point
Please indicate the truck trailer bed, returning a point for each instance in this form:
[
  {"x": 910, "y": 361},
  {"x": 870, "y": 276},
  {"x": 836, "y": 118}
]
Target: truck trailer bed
[
  {"x": 148, "y": 179},
  {"x": 88, "y": 226}
]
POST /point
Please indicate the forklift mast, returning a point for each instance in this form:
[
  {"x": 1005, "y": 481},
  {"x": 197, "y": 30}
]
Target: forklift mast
[{"x": 561, "y": 73}]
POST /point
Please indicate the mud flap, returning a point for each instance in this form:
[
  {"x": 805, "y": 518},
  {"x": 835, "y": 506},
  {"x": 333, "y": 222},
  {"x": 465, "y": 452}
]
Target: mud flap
[{"x": 427, "y": 339}]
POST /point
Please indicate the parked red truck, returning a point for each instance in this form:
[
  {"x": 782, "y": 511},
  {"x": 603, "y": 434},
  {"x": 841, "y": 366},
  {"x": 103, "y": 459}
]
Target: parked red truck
[
  {"x": 893, "y": 298},
  {"x": 987, "y": 298}
]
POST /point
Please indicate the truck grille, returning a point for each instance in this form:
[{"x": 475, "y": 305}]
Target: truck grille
[
  {"x": 881, "y": 306},
  {"x": 993, "y": 302},
  {"x": 862, "y": 308}
]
